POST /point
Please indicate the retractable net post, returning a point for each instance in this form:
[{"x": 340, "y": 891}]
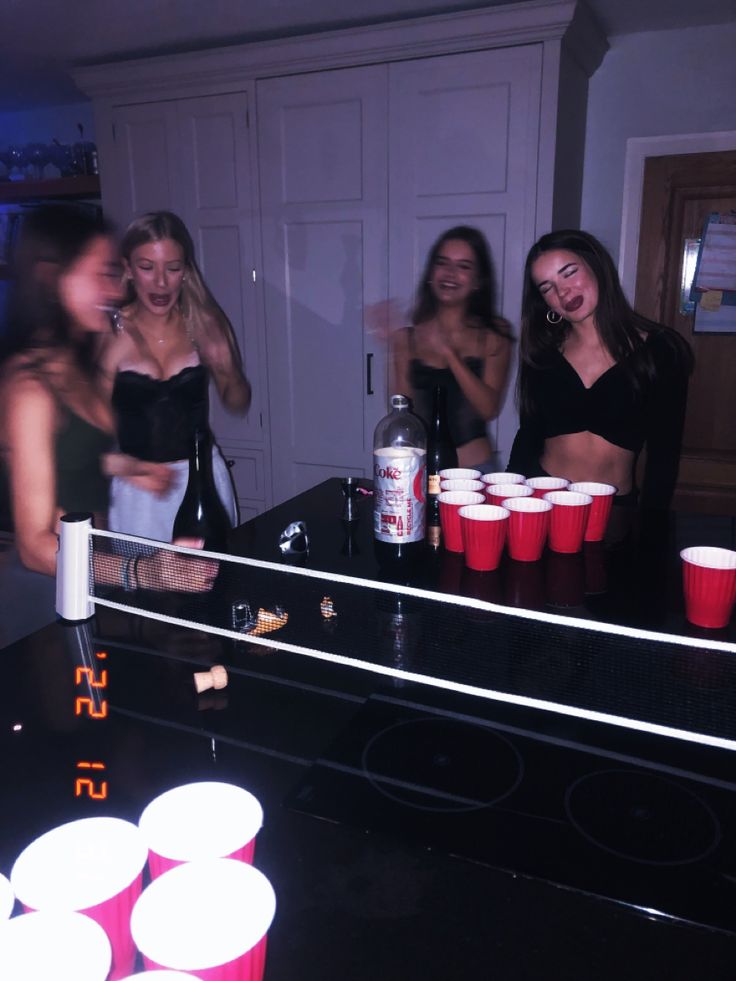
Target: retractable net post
[{"x": 73, "y": 599}]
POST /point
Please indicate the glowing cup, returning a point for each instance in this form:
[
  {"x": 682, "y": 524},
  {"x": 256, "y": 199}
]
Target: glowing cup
[
  {"x": 460, "y": 473},
  {"x": 484, "y": 533},
  {"x": 91, "y": 866},
  {"x": 568, "y": 520},
  {"x": 600, "y": 509},
  {"x": 209, "y": 918},
  {"x": 450, "y": 504},
  {"x": 62, "y": 946},
  {"x": 200, "y": 820},
  {"x": 709, "y": 583}
]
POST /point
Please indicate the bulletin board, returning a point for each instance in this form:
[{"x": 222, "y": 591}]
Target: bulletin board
[{"x": 714, "y": 284}]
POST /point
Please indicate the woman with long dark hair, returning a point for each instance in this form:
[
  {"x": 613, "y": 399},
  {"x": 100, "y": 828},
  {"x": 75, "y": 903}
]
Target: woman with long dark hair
[
  {"x": 598, "y": 382},
  {"x": 172, "y": 339},
  {"x": 458, "y": 341}
]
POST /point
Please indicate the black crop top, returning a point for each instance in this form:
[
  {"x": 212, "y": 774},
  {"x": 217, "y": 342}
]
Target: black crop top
[
  {"x": 612, "y": 409},
  {"x": 155, "y": 417},
  {"x": 462, "y": 419}
]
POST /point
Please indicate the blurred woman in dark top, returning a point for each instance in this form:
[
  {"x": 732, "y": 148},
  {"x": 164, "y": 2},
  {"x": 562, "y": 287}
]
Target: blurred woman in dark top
[
  {"x": 55, "y": 421},
  {"x": 598, "y": 382},
  {"x": 456, "y": 340},
  {"x": 173, "y": 339}
]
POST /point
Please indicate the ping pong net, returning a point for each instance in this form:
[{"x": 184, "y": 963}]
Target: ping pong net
[{"x": 677, "y": 686}]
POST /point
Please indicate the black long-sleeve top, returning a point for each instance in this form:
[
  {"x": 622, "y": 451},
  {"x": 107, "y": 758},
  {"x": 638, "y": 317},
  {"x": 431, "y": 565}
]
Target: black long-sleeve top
[{"x": 613, "y": 408}]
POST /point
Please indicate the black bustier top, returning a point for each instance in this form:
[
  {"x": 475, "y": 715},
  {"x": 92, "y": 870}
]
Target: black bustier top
[
  {"x": 464, "y": 422},
  {"x": 155, "y": 417}
]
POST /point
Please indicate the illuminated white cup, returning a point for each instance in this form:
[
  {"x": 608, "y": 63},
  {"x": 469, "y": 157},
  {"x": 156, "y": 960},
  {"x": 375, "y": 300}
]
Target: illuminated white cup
[
  {"x": 7, "y": 898},
  {"x": 161, "y": 976},
  {"x": 460, "y": 473},
  {"x": 462, "y": 485},
  {"x": 200, "y": 820},
  {"x": 501, "y": 477},
  {"x": 62, "y": 946},
  {"x": 545, "y": 485},
  {"x": 93, "y": 866},
  {"x": 208, "y": 917}
]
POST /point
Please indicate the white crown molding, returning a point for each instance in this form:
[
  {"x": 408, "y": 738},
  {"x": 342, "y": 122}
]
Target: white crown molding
[{"x": 220, "y": 68}]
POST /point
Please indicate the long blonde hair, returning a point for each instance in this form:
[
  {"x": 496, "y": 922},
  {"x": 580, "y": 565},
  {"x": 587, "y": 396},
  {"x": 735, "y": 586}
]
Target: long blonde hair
[{"x": 197, "y": 305}]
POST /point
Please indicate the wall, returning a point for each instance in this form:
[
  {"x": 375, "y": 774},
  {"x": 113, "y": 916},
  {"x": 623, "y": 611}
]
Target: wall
[
  {"x": 652, "y": 84},
  {"x": 43, "y": 125}
]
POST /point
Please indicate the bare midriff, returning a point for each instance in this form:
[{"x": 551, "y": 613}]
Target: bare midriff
[
  {"x": 585, "y": 456},
  {"x": 476, "y": 451}
]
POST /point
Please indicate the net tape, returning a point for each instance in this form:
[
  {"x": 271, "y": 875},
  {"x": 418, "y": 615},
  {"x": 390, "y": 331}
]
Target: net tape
[{"x": 672, "y": 685}]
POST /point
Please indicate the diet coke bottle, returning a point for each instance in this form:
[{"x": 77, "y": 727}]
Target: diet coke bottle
[{"x": 399, "y": 483}]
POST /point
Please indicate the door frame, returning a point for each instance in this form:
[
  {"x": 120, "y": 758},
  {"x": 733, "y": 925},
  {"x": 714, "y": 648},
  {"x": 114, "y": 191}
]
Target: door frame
[{"x": 638, "y": 148}]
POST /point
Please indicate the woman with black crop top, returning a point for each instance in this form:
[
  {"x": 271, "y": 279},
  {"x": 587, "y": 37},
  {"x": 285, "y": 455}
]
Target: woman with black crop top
[
  {"x": 456, "y": 340},
  {"x": 173, "y": 338},
  {"x": 598, "y": 382}
]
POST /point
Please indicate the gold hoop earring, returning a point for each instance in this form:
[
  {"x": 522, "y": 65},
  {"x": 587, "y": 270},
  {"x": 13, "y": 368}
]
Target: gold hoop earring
[{"x": 553, "y": 318}]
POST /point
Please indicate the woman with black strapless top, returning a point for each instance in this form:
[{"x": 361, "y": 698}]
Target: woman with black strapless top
[
  {"x": 172, "y": 339},
  {"x": 456, "y": 341}
]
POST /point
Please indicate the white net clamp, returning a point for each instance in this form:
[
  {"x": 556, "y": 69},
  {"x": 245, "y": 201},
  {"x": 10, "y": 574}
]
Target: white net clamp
[{"x": 73, "y": 599}]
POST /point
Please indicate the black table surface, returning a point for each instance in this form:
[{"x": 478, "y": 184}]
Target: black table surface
[{"x": 350, "y": 903}]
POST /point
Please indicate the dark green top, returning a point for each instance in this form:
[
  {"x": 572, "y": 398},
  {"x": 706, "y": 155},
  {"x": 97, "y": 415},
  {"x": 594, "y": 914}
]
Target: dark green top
[{"x": 80, "y": 483}]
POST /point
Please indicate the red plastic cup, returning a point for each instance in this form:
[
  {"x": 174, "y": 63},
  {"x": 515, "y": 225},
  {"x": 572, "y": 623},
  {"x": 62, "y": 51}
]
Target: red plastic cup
[
  {"x": 92, "y": 866},
  {"x": 7, "y": 898},
  {"x": 496, "y": 493},
  {"x": 200, "y": 820},
  {"x": 568, "y": 520},
  {"x": 62, "y": 946},
  {"x": 460, "y": 485},
  {"x": 501, "y": 477},
  {"x": 484, "y": 532},
  {"x": 450, "y": 504},
  {"x": 460, "y": 473},
  {"x": 600, "y": 509},
  {"x": 209, "y": 918},
  {"x": 544, "y": 485},
  {"x": 709, "y": 581},
  {"x": 528, "y": 527}
]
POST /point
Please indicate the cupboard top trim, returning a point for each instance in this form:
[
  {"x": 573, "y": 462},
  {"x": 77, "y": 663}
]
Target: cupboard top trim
[{"x": 512, "y": 24}]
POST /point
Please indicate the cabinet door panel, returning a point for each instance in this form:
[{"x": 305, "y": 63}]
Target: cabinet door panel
[
  {"x": 322, "y": 161},
  {"x": 464, "y": 132},
  {"x": 217, "y": 207},
  {"x": 146, "y": 161}
]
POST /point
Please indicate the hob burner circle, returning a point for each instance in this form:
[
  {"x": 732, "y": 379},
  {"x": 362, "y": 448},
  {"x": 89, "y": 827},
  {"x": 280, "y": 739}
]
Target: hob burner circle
[
  {"x": 642, "y": 817},
  {"x": 442, "y": 765}
]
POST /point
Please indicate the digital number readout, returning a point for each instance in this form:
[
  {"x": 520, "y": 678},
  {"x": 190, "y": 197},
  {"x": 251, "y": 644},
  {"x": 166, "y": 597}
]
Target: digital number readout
[{"x": 95, "y": 707}]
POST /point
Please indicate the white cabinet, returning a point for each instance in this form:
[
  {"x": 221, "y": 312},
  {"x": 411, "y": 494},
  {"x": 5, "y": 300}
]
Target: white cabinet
[{"x": 369, "y": 143}]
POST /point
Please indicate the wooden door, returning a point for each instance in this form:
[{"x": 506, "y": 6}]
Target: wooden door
[
  {"x": 322, "y": 170},
  {"x": 679, "y": 192},
  {"x": 464, "y": 132}
]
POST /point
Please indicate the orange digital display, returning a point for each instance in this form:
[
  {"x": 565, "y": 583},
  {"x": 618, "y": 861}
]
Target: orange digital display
[{"x": 95, "y": 708}]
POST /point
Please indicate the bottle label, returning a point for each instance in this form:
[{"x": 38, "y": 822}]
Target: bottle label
[
  {"x": 398, "y": 494},
  {"x": 433, "y": 483}
]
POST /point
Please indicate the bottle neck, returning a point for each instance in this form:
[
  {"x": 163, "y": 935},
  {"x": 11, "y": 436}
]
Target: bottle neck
[{"x": 200, "y": 454}]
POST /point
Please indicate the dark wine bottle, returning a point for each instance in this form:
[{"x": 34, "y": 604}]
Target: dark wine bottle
[
  {"x": 201, "y": 513},
  {"x": 441, "y": 455}
]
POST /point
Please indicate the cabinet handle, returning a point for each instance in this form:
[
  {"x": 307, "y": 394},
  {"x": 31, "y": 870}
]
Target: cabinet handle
[
  {"x": 230, "y": 463},
  {"x": 369, "y": 374}
]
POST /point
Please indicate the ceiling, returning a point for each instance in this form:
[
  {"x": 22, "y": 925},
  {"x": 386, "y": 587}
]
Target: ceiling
[{"x": 41, "y": 39}]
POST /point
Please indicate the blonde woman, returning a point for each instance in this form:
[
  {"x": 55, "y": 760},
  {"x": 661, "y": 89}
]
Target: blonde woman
[{"x": 172, "y": 339}]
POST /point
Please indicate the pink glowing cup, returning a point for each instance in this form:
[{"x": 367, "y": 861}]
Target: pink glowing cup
[
  {"x": 450, "y": 504},
  {"x": 600, "y": 509},
  {"x": 496, "y": 493},
  {"x": 484, "y": 533},
  {"x": 209, "y": 918},
  {"x": 528, "y": 527},
  {"x": 462, "y": 485},
  {"x": 543, "y": 485},
  {"x": 567, "y": 520},
  {"x": 709, "y": 583},
  {"x": 53, "y": 945},
  {"x": 200, "y": 820},
  {"x": 460, "y": 473},
  {"x": 92, "y": 866}
]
